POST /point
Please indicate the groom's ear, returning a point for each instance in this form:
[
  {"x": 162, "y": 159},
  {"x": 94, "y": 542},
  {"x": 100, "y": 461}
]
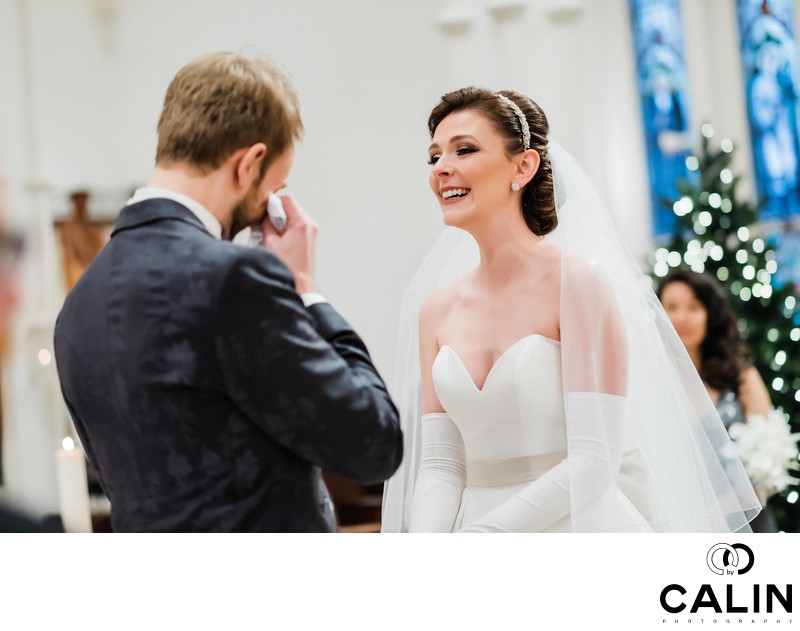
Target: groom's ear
[
  {"x": 527, "y": 166},
  {"x": 247, "y": 164}
]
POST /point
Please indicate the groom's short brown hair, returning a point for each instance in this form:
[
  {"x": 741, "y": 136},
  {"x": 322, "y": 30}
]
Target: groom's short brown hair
[{"x": 222, "y": 102}]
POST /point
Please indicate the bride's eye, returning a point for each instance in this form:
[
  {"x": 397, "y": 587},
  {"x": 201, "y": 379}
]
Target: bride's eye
[
  {"x": 433, "y": 159},
  {"x": 466, "y": 149}
]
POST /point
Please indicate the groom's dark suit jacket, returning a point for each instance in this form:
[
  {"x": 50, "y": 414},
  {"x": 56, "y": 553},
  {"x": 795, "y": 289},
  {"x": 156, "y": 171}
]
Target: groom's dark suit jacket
[{"x": 206, "y": 395}]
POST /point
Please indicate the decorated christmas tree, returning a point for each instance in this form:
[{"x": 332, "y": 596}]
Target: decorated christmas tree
[{"x": 716, "y": 233}]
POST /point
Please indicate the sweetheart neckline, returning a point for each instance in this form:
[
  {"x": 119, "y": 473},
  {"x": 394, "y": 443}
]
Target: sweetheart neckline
[{"x": 497, "y": 361}]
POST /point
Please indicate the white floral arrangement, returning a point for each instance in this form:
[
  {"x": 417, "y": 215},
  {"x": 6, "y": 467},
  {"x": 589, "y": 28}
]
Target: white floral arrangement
[{"x": 768, "y": 450}]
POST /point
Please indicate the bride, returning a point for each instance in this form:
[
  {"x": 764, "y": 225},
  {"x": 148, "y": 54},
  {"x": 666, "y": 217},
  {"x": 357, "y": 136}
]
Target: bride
[{"x": 550, "y": 392}]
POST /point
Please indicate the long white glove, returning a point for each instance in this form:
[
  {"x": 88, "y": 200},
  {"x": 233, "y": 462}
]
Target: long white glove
[
  {"x": 596, "y": 425},
  {"x": 441, "y": 477}
]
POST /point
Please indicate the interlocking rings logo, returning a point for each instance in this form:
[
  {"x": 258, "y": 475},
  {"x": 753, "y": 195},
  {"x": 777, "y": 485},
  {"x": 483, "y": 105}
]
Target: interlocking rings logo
[{"x": 722, "y": 556}]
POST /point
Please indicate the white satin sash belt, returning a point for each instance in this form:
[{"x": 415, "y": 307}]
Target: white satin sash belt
[{"x": 510, "y": 471}]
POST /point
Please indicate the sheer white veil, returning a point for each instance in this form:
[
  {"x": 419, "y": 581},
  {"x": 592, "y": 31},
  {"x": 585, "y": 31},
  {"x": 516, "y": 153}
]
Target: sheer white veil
[{"x": 678, "y": 466}]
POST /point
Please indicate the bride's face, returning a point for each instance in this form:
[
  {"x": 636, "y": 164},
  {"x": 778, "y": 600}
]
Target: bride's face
[{"x": 471, "y": 173}]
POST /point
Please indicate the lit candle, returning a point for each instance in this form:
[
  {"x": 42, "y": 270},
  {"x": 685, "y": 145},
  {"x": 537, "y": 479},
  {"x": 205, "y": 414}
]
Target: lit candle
[{"x": 73, "y": 491}]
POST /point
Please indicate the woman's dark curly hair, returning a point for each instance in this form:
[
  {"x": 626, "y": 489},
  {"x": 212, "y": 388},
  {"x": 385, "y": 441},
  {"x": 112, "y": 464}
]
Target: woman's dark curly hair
[
  {"x": 538, "y": 197},
  {"x": 723, "y": 353}
]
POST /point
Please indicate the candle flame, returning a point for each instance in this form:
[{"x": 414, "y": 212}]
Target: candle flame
[{"x": 68, "y": 443}]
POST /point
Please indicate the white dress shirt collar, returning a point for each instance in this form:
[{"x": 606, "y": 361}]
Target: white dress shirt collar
[{"x": 208, "y": 220}]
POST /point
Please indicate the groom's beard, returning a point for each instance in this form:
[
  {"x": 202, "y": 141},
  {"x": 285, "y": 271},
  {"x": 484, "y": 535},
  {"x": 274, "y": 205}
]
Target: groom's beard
[{"x": 247, "y": 212}]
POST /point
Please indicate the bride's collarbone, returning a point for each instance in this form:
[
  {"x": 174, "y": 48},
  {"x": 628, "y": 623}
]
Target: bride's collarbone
[
  {"x": 497, "y": 302},
  {"x": 481, "y": 323},
  {"x": 491, "y": 327},
  {"x": 494, "y": 321}
]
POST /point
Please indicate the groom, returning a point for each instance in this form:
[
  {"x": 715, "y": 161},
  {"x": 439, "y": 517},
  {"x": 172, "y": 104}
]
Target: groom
[{"x": 209, "y": 382}]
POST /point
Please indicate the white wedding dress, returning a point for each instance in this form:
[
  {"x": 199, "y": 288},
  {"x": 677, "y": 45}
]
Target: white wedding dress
[{"x": 497, "y": 459}]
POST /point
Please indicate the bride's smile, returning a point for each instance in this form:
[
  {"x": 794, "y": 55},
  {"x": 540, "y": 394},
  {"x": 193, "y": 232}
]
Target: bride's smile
[{"x": 453, "y": 195}]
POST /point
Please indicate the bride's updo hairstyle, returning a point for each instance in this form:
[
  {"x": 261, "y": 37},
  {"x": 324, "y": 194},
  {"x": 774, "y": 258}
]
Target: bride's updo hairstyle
[{"x": 538, "y": 199}]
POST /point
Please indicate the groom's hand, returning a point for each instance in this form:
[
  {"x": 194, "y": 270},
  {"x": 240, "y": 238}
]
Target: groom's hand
[{"x": 297, "y": 246}]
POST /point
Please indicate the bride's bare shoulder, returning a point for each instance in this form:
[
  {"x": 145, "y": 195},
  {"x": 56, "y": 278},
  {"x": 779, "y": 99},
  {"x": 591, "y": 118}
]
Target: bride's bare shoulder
[
  {"x": 577, "y": 263},
  {"x": 441, "y": 300},
  {"x": 544, "y": 264}
]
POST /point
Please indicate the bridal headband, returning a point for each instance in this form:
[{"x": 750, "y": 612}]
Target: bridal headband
[{"x": 523, "y": 122}]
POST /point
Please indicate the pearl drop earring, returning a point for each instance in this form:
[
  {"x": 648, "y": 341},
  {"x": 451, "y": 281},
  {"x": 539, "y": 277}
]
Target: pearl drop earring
[{"x": 514, "y": 186}]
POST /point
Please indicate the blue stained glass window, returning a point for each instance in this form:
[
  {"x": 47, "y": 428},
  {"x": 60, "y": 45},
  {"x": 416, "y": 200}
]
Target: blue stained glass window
[
  {"x": 770, "y": 65},
  {"x": 661, "y": 72}
]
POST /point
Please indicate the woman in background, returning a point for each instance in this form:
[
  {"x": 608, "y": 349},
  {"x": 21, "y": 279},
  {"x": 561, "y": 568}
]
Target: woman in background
[{"x": 697, "y": 306}]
